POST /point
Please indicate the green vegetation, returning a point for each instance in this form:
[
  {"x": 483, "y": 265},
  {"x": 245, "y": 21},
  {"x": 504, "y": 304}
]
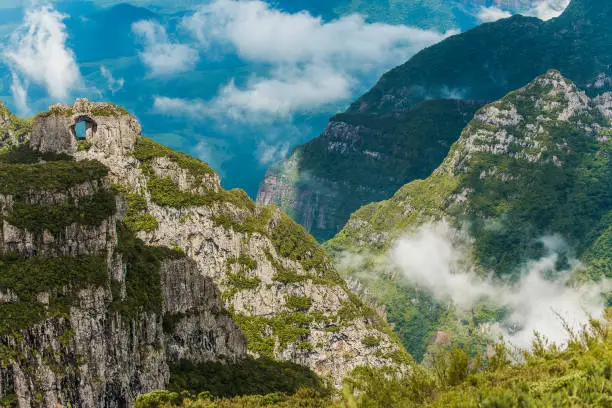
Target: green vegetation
[
  {"x": 26, "y": 278},
  {"x": 59, "y": 110},
  {"x": 238, "y": 278},
  {"x": 109, "y": 110},
  {"x": 137, "y": 218},
  {"x": 570, "y": 199},
  {"x": 146, "y": 150},
  {"x": 298, "y": 303},
  {"x": 57, "y": 176},
  {"x": 88, "y": 211},
  {"x": 244, "y": 261},
  {"x": 23, "y": 175},
  {"x": 23, "y": 154},
  {"x": 263, "y": 333},
  {"x": 292, "y": 241},
  {"x": 142, "y": 280},
  {"x": 430, "y": 196},
  {"x": 166, "y": 193},
  {"x": 370, "y": 341},
  {"x": 578, "y": 375},
  {"x": 304, "y": 397},
  {"x": 249, "y": 225},
  {"x": 247, "y": 377},
  {"x": 83, "y": 145}
]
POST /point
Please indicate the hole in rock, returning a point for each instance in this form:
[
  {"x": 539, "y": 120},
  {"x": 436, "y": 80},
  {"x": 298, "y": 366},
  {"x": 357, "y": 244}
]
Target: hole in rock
[{"x": 80, "y": 130}]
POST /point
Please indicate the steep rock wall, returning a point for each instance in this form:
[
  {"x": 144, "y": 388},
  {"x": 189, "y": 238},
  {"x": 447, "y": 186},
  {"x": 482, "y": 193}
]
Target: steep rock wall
[{"x": 90, "y": 316}]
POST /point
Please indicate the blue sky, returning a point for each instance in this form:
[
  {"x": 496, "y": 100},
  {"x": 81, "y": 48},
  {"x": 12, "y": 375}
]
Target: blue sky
[{"x": 237, "y": 83}]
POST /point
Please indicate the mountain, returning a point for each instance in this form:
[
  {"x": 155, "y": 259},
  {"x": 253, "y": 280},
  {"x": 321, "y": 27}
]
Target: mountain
[
  {"x": 535, "y": 164},
  {"x": 480, "y": 65},
  {"x": 124, "y": 264}
]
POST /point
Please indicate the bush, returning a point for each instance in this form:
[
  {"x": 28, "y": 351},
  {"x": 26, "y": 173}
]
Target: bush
[{"x": 248, "y": 377}]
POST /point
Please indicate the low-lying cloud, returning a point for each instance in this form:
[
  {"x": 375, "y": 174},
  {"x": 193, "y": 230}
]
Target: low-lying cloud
[{"x": 435, "y": 258}]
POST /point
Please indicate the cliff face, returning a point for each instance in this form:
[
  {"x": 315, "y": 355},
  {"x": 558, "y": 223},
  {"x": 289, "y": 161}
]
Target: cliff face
[
  {"x": 83, "y": 303},
  {"x": 324, "y": 181},
  {"x": 96, "y": 309},
  {"x": 360, "y": 158}
]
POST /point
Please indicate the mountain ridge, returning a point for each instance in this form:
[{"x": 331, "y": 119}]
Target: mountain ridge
[{"x": 487, "y": 62}]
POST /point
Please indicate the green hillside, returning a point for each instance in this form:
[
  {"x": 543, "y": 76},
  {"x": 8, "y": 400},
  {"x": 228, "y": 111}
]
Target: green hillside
[{"x": 534, "y": 164}]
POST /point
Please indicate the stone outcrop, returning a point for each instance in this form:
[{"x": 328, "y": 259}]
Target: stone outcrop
[
  {"x": 108, "y": 127},
  {"x": 94, "y": 357}
]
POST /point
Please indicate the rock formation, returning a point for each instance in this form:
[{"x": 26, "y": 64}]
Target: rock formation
[{"x": 129, "y": 307}]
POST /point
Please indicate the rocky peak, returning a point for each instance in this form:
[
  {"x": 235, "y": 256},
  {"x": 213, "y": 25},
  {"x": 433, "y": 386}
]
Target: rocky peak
[
  {"x": 108, "y": 127},
  {"x": 534, "y": 164},
  {"x": 520, "y": 124}
]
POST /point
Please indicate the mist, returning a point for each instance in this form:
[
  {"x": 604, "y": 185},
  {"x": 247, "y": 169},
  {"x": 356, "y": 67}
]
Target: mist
[{"x": 436, "y": 258}]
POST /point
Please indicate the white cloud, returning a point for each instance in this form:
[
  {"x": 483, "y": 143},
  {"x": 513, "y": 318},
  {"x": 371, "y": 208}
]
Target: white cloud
[
  {"x": 265, "y": 99},
  {"x": 161, "y": 56},
  {"x": 287, "y": 91},
  {"x": 547, "y": 9},
  {"x": 19, "y": 90},
  {"x": 490, "y": 14},
  {"x": 435, "y": 258},
  {"x": 261, "y": 33},
  {"x": 311, "y": 63},
  {"x": 271, "y": 153},
  {"x": 180, "y": 107},
  {"x": 38, "y": 52},
  {"x": 114, "y": 84}
]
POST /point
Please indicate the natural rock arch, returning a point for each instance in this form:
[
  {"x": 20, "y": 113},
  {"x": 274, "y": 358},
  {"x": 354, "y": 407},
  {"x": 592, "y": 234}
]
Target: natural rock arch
[
  {"x": 109, "y": 128},
  {"x": 91, "y": 127}
]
